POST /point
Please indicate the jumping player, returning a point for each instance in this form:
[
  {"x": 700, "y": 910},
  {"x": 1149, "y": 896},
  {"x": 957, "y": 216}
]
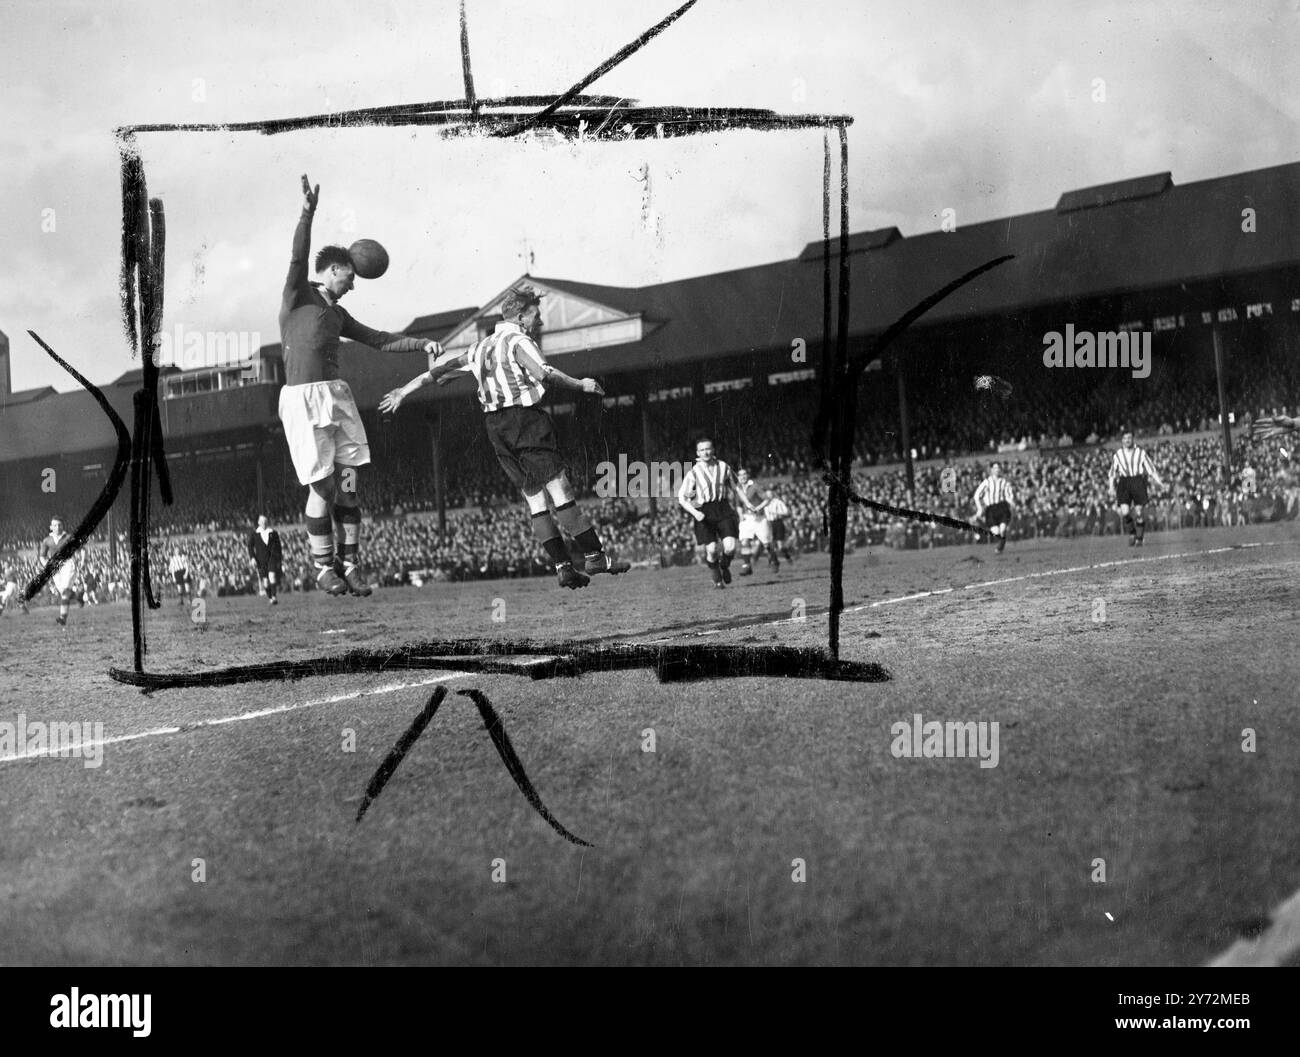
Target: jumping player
[
  {"x": 1129, "y": 471},
  {"x": 993, "y": 500},
  {"x": 705, "y": 494},
  {"x": 61, "y": 581},
  {"x": 265, "y": 552},
  {"x": 322, "y": 426},
  {"x": 755, "y": 531},
  {"x": 512, "y": 376}
]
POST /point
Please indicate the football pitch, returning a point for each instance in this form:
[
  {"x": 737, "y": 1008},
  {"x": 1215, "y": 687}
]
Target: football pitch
[{"x": 1133, "y": 804}]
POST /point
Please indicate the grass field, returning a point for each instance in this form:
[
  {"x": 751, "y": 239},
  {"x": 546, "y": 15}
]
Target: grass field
[{"x": 1119, "y": 739}]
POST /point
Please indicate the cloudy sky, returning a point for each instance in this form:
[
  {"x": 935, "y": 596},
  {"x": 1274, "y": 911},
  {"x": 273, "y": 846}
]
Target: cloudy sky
[{"x": 987, "y": 108}]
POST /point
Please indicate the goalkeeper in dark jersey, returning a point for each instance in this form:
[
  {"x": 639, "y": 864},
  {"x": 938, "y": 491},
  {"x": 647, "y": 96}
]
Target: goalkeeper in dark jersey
[{"x": 322, "y": 426}]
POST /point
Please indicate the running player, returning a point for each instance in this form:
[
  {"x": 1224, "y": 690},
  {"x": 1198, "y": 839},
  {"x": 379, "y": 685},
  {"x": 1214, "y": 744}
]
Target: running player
[
  {"x": 993, "y": 501},
  {"x": 179, "y": 567},
  {"x": 705, "y": 494},
  {"x": 512, "y": 376},
  {"x": 777, "y": 511},
  {"x": 755, "y": 532},
  {"x": 1129, "y": 471},
  {"x": 327, "y": 441},
  {"x": 61, "y": 581},
  {"x": 266, "y": 554}
]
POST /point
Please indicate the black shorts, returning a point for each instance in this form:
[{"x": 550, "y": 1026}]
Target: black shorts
[
  {"x": 778, "y": 529},
  {"x": 524, "y": 441},
  {"x": 269, "y": 567},
  {"x": 997, "y": 513},
  {"x": 720, "y": 522},
  {"x": 1131, "y": 491},
  {"x": 181, "y": 577}
]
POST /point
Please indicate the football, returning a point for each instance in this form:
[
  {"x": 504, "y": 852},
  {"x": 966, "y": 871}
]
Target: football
[{"x": 369, "y": 258}]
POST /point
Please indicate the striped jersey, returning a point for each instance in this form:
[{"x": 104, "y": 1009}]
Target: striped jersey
[
  {"x": 994, "y": 490},
  {"x": 500, "y": 364},
  {"x": 178, "y": 564},
  {"x": 707, "y": 483},
  {"x": 776, "y": 509},
  {"x": 1131, "y": 462}
]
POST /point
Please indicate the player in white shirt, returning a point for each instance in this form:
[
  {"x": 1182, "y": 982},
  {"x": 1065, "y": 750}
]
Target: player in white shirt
[{"x": 755, "y": 532}]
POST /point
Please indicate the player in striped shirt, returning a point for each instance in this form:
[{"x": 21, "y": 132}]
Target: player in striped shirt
[
  {"x": 993, "y": 501},
  {"x": 1129, "y": 471},
  {"x": 179, "y": 567},
  {"x": 777, "y": 511},
  {"x": 705, "y": 494},
  {"x": 512, "y": 377}
]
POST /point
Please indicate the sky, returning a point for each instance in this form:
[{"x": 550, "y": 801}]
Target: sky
[{"x": 987, "y": 108}]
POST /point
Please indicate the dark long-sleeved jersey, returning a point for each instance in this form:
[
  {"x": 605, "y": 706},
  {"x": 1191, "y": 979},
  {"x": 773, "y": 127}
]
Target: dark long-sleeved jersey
[{"x": 310, "y": 326}]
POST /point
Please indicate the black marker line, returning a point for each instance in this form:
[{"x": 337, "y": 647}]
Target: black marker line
[
  {"x": 842, "y": 417},
  {"x": 111, "y": 488},
  {"x": 398, "y": 752},
  {"x": 362, "y": 115},
  {"x": 501, "y": 740},
  {"x": 468, "y": 73},
  {"x": 670, "y": 663},
  {"x": 898, "y": 511},
  {"x": 619, "y": 56},
  {"x": 646, "y": 122}
]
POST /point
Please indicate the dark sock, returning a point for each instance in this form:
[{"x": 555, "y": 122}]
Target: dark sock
[
  {"x": 571, "y": 518},
  {"x": 347, "y": 523},
  {"x": 589, "y": 543},
  {"x": 556, "y": 551}
]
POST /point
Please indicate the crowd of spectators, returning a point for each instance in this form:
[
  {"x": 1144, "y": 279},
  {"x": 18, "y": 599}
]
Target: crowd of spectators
[{"x": 1058, "y": 493}]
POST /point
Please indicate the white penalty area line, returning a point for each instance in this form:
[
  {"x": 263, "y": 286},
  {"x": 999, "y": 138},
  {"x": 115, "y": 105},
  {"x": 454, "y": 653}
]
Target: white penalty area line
[
  {"x": 1273, "y": 946},
  {"x": 240, "y": 718},
  {"x": 987, "y": 583},
  {"x": 1063, "y": 572}
]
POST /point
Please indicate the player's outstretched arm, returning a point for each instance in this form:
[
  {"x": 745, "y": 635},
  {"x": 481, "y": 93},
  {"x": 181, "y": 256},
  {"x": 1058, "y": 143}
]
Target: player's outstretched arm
[
  {"x": 580, "y": 385},
  {"x": 393, "y": 400},
  {"x": 296, "y": 281}
]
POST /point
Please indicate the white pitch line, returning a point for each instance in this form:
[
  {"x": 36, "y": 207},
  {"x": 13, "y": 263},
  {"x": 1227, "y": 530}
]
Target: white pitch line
[
  {"x": 1065, "y": 572},
  {"x": 241, "y": 717},
  {"x": 1273, "y": 946},
  {"x": 988, "y": 583}
]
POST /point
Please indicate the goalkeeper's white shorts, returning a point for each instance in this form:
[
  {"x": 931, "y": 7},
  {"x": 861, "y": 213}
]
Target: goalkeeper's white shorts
[{"x": 755, "y": 528}]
